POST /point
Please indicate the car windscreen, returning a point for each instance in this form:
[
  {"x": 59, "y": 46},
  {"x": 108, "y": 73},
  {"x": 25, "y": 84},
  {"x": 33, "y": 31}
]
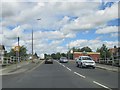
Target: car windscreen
[
  {"x": 86, "y": 58},
  {"x": 63, "y": 58}
]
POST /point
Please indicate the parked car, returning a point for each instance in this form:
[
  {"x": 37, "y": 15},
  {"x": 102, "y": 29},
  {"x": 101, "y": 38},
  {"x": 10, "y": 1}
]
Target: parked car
[
  {"x": 85, "y": 61},
  {"x": 63, "y": 60},
  {"x": 49, "y": 61}
]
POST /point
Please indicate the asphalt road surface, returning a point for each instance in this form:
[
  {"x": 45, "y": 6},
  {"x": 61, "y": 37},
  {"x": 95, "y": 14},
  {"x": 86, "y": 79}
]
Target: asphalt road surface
[{"x": 62, "y": 75}]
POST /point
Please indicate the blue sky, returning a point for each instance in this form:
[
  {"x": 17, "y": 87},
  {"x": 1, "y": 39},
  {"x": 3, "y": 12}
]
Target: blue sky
[{"x": 62, "y": 24}]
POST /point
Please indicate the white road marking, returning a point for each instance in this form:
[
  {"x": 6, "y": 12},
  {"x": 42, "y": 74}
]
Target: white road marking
[
  {"x": 69, "y": 69},
  {"x": 102, "y": 85},
  {"x": 79, "y": 75},
  {"x": 63, "y": 65},
  {"x": 60, "y": 63}
]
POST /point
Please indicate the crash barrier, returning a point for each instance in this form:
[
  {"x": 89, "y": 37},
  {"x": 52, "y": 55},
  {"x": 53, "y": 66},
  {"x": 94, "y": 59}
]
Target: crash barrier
[{"x": 114, "y": 62}]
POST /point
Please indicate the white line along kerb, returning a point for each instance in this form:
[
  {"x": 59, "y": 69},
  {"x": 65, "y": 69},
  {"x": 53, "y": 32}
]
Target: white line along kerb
[
  {"x": 102, "y": 85},
  {"x": 80, "y": 75}
]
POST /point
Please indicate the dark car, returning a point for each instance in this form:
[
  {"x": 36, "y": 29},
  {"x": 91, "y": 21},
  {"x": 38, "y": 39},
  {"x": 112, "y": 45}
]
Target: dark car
[{"x": 49, "y": 61}]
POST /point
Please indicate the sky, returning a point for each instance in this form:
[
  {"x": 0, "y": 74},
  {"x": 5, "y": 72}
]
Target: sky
[{"x": 62, "y": 24}]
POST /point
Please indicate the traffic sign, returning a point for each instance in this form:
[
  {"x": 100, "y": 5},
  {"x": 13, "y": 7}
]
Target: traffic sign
[{"x": 17, "y": 48}]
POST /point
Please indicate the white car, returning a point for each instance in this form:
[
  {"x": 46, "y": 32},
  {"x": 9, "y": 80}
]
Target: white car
[
  {"x": 63, "y": 60},
  {"x": 85, "y": 61}
]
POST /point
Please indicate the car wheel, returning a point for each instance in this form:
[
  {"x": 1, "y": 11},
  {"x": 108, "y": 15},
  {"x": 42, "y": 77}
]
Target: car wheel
[
  {"x": 93, "y": 67},
  {"x": 77, "y": 65},
  {"x": 81, "y": 65}
]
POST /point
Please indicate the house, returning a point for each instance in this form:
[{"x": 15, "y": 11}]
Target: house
[
  {"x": 115, "y": 51},
  {"x": 94, "y": 55},
  {"x": 2, "y": 52}
]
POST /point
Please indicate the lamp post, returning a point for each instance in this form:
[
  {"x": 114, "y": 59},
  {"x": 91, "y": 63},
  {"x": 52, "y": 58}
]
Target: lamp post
[
  {"x": 33, "y": 42},
  {"x": 32, "y": 46},
  {"x": 18, "y": 50}
]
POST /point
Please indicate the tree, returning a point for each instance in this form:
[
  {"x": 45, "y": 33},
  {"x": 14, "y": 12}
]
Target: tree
[
  {"x": 104, "y": 52},
  {"x": 53, "y": 55},
  {"x": 86, "y": 49},
  {"x": 12, "y": 52},
  {"x": 98, "y": 50},
  {"x": 22, "y": 52},
  {"x": 63, "y": 55},
  {"x": 58, "y": 55}
]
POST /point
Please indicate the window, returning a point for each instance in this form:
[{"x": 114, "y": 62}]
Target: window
[{"x": 86, "y": 58}]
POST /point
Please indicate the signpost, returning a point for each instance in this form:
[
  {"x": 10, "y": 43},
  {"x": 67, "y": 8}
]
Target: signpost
[{"x": 17, "y": 49}]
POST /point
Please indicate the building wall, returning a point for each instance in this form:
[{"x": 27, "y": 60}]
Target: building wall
[
  {"x": 1, "y": 56},
  {"x": 95, "y": 56}
]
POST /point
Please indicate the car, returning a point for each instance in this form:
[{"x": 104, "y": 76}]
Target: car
[
  {"x": 63, "y": 60},
  {"x": 85, "y": 61},
  {"x": 48, "y": 61}
]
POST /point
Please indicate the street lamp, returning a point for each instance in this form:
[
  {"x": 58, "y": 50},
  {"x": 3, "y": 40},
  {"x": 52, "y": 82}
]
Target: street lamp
[
  {"x": 33, "y": 42},
  {"x": 32, "y": 45},
  {"x": 19, "y": 49}
]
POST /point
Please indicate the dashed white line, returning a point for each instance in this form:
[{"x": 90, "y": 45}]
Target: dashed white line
[
  {"x": 102, "y": 85},
  {"x": 63, "y": 65},
  {"x": 79, "y": 75},
  {"x": 69, "y": 69},
  {"x": 85, "y": 77}
]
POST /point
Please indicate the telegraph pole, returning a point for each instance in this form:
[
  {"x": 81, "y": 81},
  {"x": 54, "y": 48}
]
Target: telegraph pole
[
  {"x": 32, "y": 45},
  {"x": 18, "y": 51}
]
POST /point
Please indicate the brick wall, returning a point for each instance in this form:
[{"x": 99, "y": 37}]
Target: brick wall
[{"x": 95, "y": 56}]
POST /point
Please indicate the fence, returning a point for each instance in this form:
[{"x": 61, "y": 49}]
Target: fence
[
  {"x": 115, "y": 62},
  {"x": 11, "y": 60}
]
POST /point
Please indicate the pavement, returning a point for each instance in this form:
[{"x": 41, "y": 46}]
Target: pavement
[
  {"x": 19, "y": 67},
  {"x": 107, "y": 67}
]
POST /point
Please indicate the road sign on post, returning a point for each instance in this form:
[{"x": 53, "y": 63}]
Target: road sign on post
[{"x": 17, "y": 48}]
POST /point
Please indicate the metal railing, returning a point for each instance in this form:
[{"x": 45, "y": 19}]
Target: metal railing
[
  {"x": 12, "y": 60},
  {"x": 114, "y": 62}
]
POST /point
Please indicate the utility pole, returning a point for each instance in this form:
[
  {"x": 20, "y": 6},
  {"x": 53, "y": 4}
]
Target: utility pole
[
  {"x": 19, "y": 50},
  {"x": 32, "y": 42},
  {"x": 32, "y": 45}
]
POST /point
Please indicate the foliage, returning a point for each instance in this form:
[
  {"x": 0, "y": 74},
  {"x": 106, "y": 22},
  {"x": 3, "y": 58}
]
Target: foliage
[
  {"x": 22, "y": 52},
  {"x": 104, "y": 52},
  {"x": 86, "y": 49}
]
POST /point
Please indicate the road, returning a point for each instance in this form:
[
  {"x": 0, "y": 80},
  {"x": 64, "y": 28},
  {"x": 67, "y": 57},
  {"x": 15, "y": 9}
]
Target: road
[{"x": 62, "y": 75}]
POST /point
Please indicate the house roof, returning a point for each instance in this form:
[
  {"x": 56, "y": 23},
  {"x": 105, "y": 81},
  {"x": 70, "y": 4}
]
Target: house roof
[{"x": 2, "y": 47}]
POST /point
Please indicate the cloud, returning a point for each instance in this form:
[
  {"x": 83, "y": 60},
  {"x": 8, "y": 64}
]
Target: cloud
[
  {"x": 108, "y": 29},
  {"x": 115, "y": 35},
  {"x": 93, "y": 44},
  {"x": 94, "y": 20},
  {"x": 59, "y": 20}
]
